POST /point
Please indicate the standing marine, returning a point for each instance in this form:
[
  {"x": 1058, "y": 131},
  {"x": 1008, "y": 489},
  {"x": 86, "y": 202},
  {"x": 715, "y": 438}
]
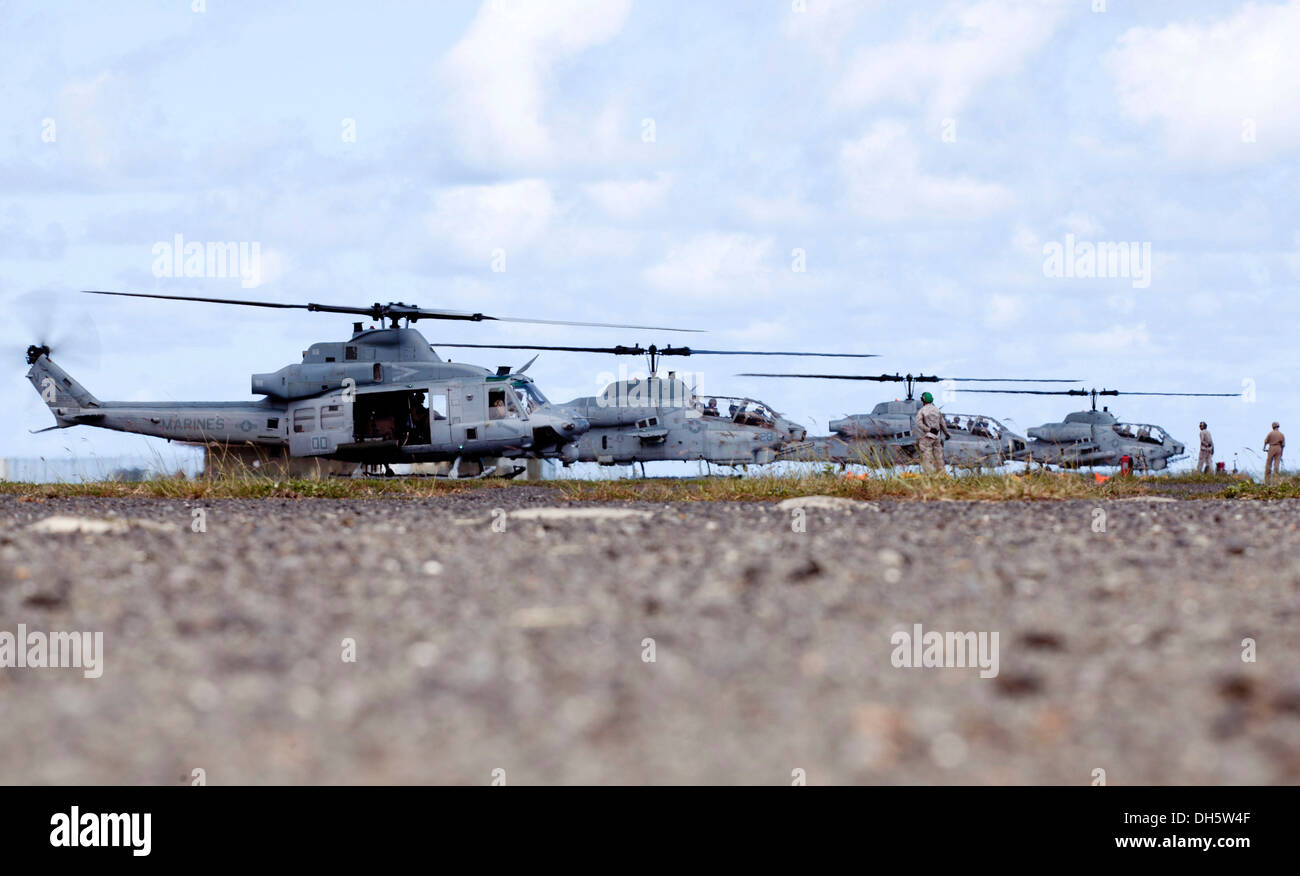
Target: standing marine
[
  {"x": 930, "y": 432},
  {"x": 1205, "y": 463},
  {"x": 1273, "y": 444}
]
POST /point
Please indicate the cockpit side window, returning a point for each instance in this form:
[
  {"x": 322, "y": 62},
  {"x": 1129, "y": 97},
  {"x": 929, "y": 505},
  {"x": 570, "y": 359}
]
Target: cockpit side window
[{"x": 501, "y": 404}]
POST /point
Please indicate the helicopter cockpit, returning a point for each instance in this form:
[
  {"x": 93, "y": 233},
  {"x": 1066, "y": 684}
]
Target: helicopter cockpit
[
  {"x": 531, "y": 395},
  {"x": 1142, "y": 432},
  {"x": 976, "y": 426},
  {"x": 503, "y": 403}
]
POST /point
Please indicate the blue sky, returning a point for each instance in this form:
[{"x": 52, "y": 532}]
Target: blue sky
[{"x": 661, "y": 163}]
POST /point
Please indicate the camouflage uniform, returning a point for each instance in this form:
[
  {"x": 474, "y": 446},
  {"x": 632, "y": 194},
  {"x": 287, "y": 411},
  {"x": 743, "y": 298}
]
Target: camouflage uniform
[
  {"x": 1273, "y": 444},
  {"x": 929, "y": 427},
  {"x": 1205, "y": 463}
]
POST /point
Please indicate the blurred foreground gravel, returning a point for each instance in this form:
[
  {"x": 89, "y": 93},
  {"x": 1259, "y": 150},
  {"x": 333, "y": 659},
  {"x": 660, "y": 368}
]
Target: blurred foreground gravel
[{"x": 522, "y": 650}]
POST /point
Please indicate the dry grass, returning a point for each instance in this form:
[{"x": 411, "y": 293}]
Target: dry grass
[
  {"x": 975, "y": 487},
  {"x": 253, "y": 487},
  {"x": 1044, "y": 486}
]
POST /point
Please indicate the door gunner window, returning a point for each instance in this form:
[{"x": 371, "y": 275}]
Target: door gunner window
[
  {"x": 497, "y": 404},
  {"x": 393, "y": 416}
]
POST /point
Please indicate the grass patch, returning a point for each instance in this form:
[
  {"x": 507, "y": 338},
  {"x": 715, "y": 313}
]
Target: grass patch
[
  {"x": 1045, "y": 486},
  {"x": 910, "y": 486},
  {"x": 886, "y": 484},
  {"x": 1281, "y": 488},
  {"x": 252, "y": 487}
]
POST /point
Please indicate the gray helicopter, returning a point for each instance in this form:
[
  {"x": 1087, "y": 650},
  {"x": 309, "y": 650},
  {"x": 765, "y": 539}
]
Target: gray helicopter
[
  {"x": 654, "y": 419},
  {"x": 1097, "y": 437},
  {"x": 884, "y": 437},
  {"x": 379, "y": 398}
]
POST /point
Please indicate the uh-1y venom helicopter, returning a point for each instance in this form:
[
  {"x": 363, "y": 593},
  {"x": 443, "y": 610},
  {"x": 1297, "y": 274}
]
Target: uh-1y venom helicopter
[
  {"x": 381, "y": 397},
  {"x": 884, "y": 437},
  {"x": 1096, "y": 437},
  {"x": 653, "y": 419}
]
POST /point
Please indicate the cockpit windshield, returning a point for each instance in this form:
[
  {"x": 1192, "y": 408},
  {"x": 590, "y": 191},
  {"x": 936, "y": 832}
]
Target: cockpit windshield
[
  {"x": 1143, "y": 432},
  {"x": 531, "y": 395},
  {"x": 977, "y": 426}
]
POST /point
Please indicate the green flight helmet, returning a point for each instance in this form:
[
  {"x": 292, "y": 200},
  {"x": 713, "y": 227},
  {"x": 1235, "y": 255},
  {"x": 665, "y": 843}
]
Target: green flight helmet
[{"x": 926, "y": 398}]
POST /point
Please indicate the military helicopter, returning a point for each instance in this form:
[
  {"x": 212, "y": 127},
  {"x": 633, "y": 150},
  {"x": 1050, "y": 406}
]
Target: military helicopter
[
  {"x": 381, "y": 397},
  {"x": 652, "y": 419},
  {"x": 884, "y": 437},
  {"x": 1093, "y": 437}
]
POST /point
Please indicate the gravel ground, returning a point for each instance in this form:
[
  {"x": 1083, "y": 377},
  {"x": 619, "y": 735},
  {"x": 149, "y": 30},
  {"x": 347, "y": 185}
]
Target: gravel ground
[{"x": 523, "y": 650}]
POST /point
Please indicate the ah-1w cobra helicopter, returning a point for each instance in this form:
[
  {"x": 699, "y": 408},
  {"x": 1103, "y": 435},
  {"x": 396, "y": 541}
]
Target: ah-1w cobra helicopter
[
  {"x": 381, "y": 397},
  {"x": 1094, "y": 437},
  {"x": 653, "y": 419},
  {"x": 884, "y": 437}
]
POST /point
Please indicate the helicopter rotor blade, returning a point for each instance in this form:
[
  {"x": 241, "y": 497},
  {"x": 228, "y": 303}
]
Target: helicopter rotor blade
[
  {"x": 638, "y": 350},
  {"x": 878, "y": 378},
  {"x": 528, "y": 364},
  {"x": 1037, "y": 392},
  {"x": 211, "y": 300},
  {"x": 643, "y": 328},
  {"x": 691, "y": 351},
  {"x": 409, "y": 312},
  {"x": 915, "y": 378},
  {"x": 616, "y": 351},
  {"x": 1106, "y": 392},
  {"x": 1011, "y": 380},
  {"x": 1188, "y": 394}
]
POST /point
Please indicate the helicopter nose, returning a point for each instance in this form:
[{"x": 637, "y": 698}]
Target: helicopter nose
[{"x": 565, "y": 421}]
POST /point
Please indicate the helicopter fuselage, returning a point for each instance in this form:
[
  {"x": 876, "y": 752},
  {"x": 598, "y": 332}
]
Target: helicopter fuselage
[
  {"x": 1087, "y": 438},
  {"x": 660, "y": 419},
  {"x": 885, "y": 438},
  {"x": 382, "y": 397}
]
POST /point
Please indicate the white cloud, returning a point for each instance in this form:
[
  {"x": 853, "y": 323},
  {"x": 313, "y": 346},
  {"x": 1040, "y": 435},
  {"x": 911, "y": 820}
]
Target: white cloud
[
  {"x": 625, "y": 199},
  {"x": 472, "y": 221},
  {"x": 946, "y": 58},
  {"x": 822, "y": 24},
  {"x": 1025, "y": 241},
  {"x": 1131, "y": 339},
  {"x": 1202, "y": 81},
  {"x": 715, "y": 265},
  {"x": 1003, "y": 310},
  {"x": 887, "y": 184},
  {"x": 496, "y": 79},
  {"x": 776, "y": 211}
]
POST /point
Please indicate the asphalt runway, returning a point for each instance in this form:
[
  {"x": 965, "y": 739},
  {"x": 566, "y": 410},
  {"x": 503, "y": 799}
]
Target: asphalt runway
[{"x": 524, "y": 646}]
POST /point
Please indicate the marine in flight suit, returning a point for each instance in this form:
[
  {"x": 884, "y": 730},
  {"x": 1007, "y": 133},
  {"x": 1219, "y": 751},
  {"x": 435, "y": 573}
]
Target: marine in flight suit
[
  {"x": 930, "y": 432},
  {"x": 1205, "y": 463},
  {"x": 1274, "y": 444}
]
